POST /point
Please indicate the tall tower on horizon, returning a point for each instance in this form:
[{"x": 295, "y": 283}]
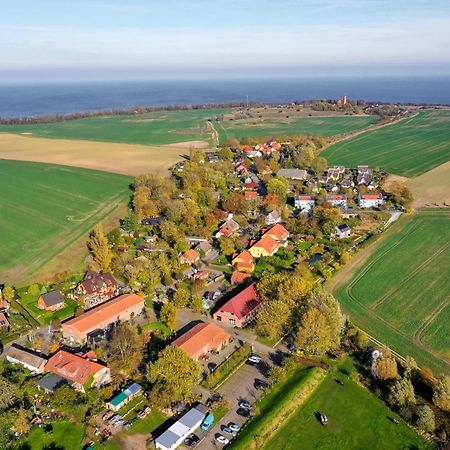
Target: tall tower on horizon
[{"x": 344, "y": 100}]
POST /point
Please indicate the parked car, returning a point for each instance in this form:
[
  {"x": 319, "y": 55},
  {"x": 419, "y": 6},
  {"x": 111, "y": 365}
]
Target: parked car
[
  {"x": 222, "y": 439},
  {"x": 291, "y": 347},
  {"x": 212, "y": 367},
  {"x": 209, "y": 420},
  {"x": 244, "y": 404},
  {"x": 191, "y": 440},
  {"x": 260, "y": 384},
  {"x": 229, "y": 431},
  {"x": 234, "y": 426},
  {"x": 243, "y": 412},
  {"x": 127, "y": 425},
  {"x": 254, "y": 359}
]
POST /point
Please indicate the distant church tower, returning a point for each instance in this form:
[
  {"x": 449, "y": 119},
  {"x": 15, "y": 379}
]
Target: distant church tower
[{"x": 344, "y": 100}]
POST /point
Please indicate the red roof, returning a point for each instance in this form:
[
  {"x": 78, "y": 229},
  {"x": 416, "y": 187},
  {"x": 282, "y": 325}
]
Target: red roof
[
  {"x": 243, "y": 257},
  {"x": 73, "y": 367},
  {"x": 371, "y": 196},
  {"x": 278, "y": 232},
  {"x": 243, "y": 303},
  {"x": 304, "y": 197},
  {"x": 239, "y": 277},
  {"x": 251, "y": 185},
  {"x": 191, "y": 256},
  {"x": 250, "y": 195},
  {"x": 336, "y": 197},
  {"x": 268, "y": 243}
]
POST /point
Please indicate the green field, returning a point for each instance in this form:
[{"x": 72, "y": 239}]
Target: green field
[
  {"x": 44, "y": 208},
  {"x": 357, "y": 420},
  {"x": 400, "y": 293},
  {"x": 409, "y": 148},
  {"x": 156, "y": 128},
  {"x": 274, "y": 126},
  {"x": 64, "y": 435}
]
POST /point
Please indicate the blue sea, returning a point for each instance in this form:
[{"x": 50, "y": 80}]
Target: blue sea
[{"x": 18, "y": 100}]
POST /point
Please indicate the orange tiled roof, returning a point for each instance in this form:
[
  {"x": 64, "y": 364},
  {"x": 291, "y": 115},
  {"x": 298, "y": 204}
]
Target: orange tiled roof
[
  {"x": 304, "y": 197},
  {"x": 239, "y": 277},
  {"x": 278, "y": 232},
  {"x": 371, "y": 196},
  {"x": 108, "y": 311},
  {"x": 201, "y": 336},
  {"x": 243, "y": 257},
  {"x": 243, "y": 303},
  {"x": 268, "y": 243},
  {"x": 250, "y": 195},
  {"x": 191, "y": 255},
  {"x": 73, "y": 367}
]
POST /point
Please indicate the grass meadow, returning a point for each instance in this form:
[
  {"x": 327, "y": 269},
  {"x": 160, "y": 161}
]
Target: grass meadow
[
  {"x": 156, "y": 128},
  {"x": 408, "y": 148},
  {"x": 399, "y": 294},
  {"x": 357, "y": 420},
  {"x": 274, "y": 125},
  {"x": 45, "y": 208}
]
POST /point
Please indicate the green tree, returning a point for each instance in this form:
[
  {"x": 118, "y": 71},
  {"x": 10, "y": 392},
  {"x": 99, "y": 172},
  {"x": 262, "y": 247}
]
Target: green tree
[
  {"x": 22, "y": 423},
  {"x": 441, "y": 393},
  {"x": 196, "y": 303},
  {"x": 401, "y": 393},
  {"x": 99, "y": 247},
  {"x": 173, "y": 374},
  {"x": 272, "y": 319},
  {"x": 124, "y": 350},
  {"x": 182, "y": 296},
  {"x": 278, "y": 186},
  {"x": 319, "y": 165},
  {"x": 168, "y": 315},
  {"x": 8, "y": 293},
  {"x": 227, "y": 246},
  {"x": 7, "y": 393},
  {"x": 425, "y": 419}
]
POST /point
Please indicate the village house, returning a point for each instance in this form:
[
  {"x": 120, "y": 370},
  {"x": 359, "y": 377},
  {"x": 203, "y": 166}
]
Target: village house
[
  {"x": 240, "y": 309},
  {"x": 304, "y": 202},
  {"x": 337, "y": 201},
  {"x": 273, "y": 218},
  {"x": 4, "y": 305},
  {"x": 279, "y": 233},
  {"x": 102, "y": 317},
  {"x": 4, "y": 323},
  {"x": 365, "y": 175},
  {"x": 292, "y": 174},
  {"x": 250, "y": 195},
  {"x": 239, "y": 277},
  {"x": 96, "y": 288},
  {"x": 347, "y": 183},
  {"x": 204, "y": 248},
  {"x": 81, "y": 370},
  {"x": 370, "y": 200},
  {"x": 26, "y": 358},
  {"x": 244, "y": 262},
  {"x": 250, "y": 152},
  {"x": 51, "y": 301},
  {"x": 202, "y": 339},
  {"x": 266, "y": 246},
  {"x": 228, "y": 228},
  {"x": 190, "y": 257},
  {"x": 333, "y": 173},
  {"x": 342, "y": 231}
]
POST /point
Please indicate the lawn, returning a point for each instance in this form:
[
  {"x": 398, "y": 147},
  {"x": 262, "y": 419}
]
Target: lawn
[
  {"x": 279, "y": 125},
  {"x": 45, "y": 208},
  {"x": 64, "y": 435},
  {"x": 409, "y": 147},
  {"x": 399, "y": 294},
  {"x": 156, "y": 128},
  {"x": 357, "y": 420}
]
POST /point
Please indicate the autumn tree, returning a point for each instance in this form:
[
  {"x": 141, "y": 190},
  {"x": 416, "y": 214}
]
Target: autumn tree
[
  {"x": 7, "y": 393},
  {"x": 272, "y": 318},
  {"x": 278, "y": 187},
  {"x": 182, "y": 295},
  {"x": 99, "y": 248},
  {"x": 441, "y": 393},
  {"x": 401, "y": 393},
  {"x": 172, "y": 376},
  {"x": 386, "y": 368},
  {"x": 22, "y": 423},
  {"x": 8, "y": 293},
  {"x": 425, "y": 420},
  {"x": 320, "y": 324},
  {"x": 168, "y": 315},
  {"x": 319, "y": 165},
  {"x": 235, "y": 203},
  {"x": 227, "y": 246},
  {"x": 124, "y": 350}
]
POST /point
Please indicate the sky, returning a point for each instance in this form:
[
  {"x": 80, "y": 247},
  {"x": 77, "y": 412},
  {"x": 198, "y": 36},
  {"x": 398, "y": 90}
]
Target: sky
[{"x": 140, "y": 39}]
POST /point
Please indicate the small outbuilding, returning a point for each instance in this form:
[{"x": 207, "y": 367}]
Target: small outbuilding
[
  {"x": 51, "y": 301},
  {"x": 342, "y": 231}
]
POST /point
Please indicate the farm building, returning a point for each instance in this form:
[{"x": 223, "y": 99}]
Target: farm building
[
  {"x": 81, "y": 370},
  {"x": 102, "y": 316},
  {"x": 26, "y": 358},
  {"x": 96, "y": 288},
  {"x": 370, "y": 200},
  {"x": 203, "y": 338},
  {"x": 181, "y": 429},
  {"x": 124, "y": 397},
  {"x": 240, "y": 309},
  {"x": 51, "y": 301}
]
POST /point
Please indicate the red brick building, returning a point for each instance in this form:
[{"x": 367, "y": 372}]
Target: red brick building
[{"x": 240, "y": 309}]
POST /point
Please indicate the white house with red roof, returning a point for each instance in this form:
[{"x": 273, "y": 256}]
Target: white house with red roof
[
  {"x": 240, "y": 309},
  {"x": 304, "y": 202},
  {"x": 370, "y": 200}
]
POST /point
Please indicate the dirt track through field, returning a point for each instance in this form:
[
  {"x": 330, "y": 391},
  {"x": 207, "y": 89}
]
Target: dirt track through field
[{"x": 127, "y": 159}]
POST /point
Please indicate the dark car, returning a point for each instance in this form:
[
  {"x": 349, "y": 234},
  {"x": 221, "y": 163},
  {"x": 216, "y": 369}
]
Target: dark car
[
  {"x": 191, "y": 440},
  {"x": 212, "y": 367},
  {"x": 243, "y": 412},
  {"x": 260, "y": 384},
  {"x": 291, "y": 347}
]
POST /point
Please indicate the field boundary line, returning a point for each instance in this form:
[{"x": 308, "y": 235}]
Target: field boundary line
[{"x": 429, "y": 319}]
